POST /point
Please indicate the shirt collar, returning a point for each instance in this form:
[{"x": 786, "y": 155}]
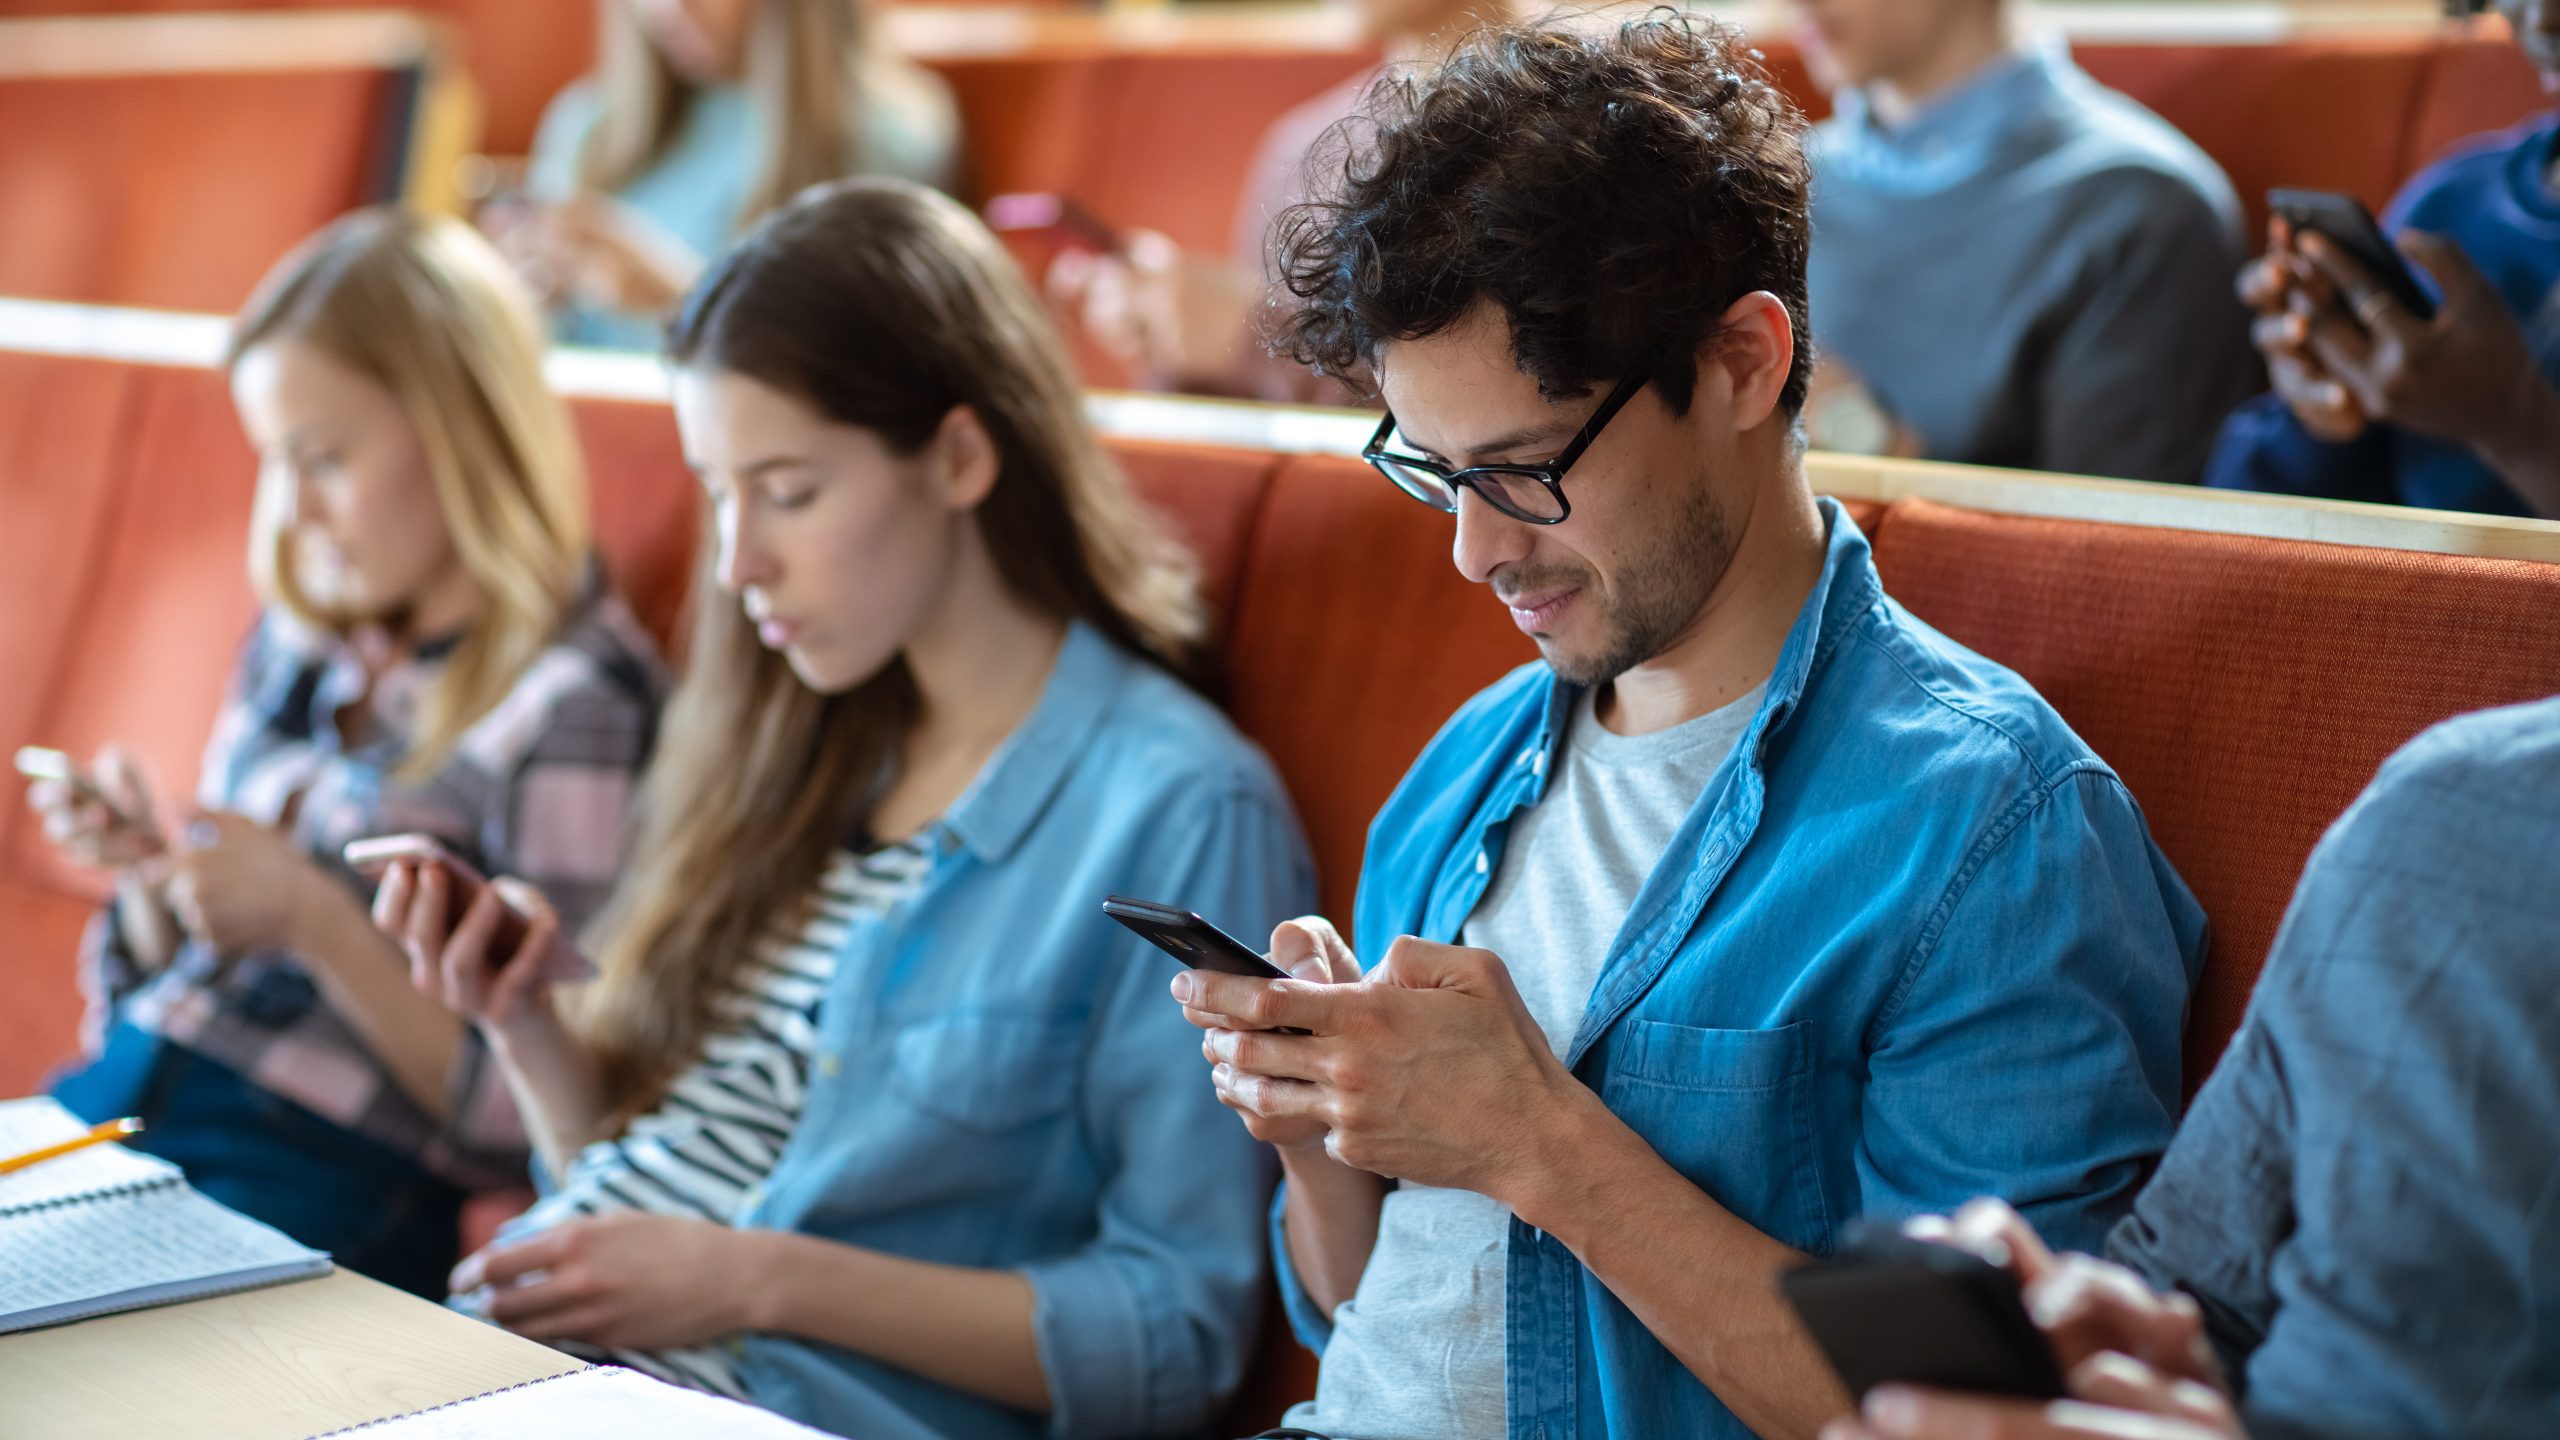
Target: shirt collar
[
  {"x": 1033, "y": 763},
  {"x": 2005, "y": 92},
  {"x": 1848, "y": 587}
]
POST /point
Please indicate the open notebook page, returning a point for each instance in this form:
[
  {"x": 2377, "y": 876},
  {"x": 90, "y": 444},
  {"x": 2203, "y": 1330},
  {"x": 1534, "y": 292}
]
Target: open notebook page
[
  {"x": 603, "y": 1402},
  {"x": 122, "y": 1252},
  {"x": 33, "y": 1124}
]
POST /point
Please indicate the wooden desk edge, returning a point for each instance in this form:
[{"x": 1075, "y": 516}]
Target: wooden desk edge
[{"x": 276, "y": 1363}]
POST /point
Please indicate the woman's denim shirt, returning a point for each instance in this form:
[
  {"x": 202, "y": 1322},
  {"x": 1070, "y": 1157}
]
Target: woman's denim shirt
[{"x": 1003, "y": 1083}]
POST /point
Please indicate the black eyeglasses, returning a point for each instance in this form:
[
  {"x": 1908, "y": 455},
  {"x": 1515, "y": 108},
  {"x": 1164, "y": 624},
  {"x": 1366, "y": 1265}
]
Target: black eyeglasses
[{"x": 1530, "y": 493}]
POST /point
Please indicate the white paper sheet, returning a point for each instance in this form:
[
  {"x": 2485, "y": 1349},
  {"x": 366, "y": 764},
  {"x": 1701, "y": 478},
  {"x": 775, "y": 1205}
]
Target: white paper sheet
[{"x": 604, "y": 1402}]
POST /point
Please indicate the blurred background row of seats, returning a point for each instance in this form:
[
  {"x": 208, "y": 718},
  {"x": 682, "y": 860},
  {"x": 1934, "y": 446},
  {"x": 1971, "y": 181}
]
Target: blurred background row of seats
[{"x": 165, "y": 159}]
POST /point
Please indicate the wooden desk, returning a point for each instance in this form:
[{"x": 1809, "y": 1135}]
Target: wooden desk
[{"x": 276, "y": 1364}]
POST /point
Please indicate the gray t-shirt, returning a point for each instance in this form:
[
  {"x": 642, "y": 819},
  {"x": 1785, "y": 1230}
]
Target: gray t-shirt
[{"x": 1417, "y": 1353}]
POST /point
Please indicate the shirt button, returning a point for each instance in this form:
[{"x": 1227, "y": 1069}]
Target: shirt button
[
  {"x": 830, "y": 1064},
  {"x": 1538, "y": 763},
  {"x": 1715, "y": 855},
  {"x": 1484, "y": 865}
]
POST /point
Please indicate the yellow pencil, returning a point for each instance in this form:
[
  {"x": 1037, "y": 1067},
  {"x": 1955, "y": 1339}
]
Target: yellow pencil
[{"x": 112, "y": 1130}]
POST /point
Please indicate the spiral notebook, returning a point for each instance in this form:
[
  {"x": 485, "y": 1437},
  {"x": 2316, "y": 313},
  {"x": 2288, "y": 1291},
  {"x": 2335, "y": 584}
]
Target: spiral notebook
[
  {"x": 600, "y": 1402},
  {"x": 108, "y": 1229}
]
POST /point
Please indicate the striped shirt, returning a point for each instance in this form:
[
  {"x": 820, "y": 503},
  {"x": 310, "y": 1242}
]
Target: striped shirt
[
  {"x": 726, "y": 1118},
  {"x": 539, "y": 787}
]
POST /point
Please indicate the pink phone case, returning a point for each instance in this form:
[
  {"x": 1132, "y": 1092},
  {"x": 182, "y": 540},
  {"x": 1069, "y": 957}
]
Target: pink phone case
[{"x": 563, "y": 964}]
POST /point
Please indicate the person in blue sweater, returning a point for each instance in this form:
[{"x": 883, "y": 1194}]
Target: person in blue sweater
[{"x": 2457, "y": 412}]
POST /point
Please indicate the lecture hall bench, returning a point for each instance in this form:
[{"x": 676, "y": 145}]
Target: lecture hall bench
[{"x": 2245, "y": 687}]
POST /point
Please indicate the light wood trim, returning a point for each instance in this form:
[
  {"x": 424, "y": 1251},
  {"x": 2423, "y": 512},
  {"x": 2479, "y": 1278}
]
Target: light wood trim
[
  {"x": 160, "y": 338},
  {"x": 320, "y": 39},
  {"x": 2184, "y": 507},
  {"x": 275, "y": 1364},
  {"x": 955, "y": 32},
  {"x": 182, "y": 43}
]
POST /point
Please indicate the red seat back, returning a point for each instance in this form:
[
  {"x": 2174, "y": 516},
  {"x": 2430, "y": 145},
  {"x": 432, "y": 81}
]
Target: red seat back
[
  {"x": 179, "y": 191},
  {"x": 2246, "y": 689}
]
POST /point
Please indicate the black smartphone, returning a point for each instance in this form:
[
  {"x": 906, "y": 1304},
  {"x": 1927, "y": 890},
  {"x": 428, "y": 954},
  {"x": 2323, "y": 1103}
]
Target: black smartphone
[
  {"x": 1188, "y": 938},
  {"x": 1194, "y": 941},
  {"x": 2343, "y": 221},
  {"x": 1888, "y": 1309}
]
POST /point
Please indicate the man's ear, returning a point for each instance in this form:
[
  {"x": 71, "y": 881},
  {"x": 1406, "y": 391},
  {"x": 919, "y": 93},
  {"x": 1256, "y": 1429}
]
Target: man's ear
[
  {"x": 962, "y": 460},
  {"x": 1753, "y": 350}
]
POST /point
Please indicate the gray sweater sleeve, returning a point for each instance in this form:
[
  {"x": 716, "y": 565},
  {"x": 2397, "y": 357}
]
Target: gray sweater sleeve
[
  {"x": 2140, "y": 374},
  {"x": 2362, "y": 1197}
]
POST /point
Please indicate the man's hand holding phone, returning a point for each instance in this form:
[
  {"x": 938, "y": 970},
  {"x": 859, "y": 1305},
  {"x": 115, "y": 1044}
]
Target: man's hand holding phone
[
  {"x": 2136, "y": 1364},
  {"x": 1427, "y": 1068},
  {"x": 1313, "y": 953}
]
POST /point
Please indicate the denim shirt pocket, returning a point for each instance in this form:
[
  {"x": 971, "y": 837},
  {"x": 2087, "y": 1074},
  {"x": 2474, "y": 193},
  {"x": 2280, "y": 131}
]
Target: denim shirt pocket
[
  {"x": 988, "y": 1069},
  {"x": 1733, "y": 1111}
]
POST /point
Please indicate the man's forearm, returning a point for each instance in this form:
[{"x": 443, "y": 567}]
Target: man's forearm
[
  {"x": 1331, "y": 1222},
  {"x": 1703, "y": 1281}
]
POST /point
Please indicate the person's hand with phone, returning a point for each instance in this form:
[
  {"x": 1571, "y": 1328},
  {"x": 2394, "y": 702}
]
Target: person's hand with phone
[
  {"x": 1427, "y": 1068},
  {"x": 105, "y": 817},
  {"x": 1314, "y": 953},
  {"x": 99, "y": 818},
  {"x": 592, "y": 250},
  {"x": 2467, "y": 374},
  {"x": 1178, "y": 321},
  {"x": 500, "y": 976},
  {"x": 2286, "y": 294},
  {"x": 2135, "y": 1361}
]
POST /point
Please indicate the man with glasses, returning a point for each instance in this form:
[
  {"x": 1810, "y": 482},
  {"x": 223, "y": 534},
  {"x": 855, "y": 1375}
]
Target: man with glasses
[{"x": 1756, "y": 904}]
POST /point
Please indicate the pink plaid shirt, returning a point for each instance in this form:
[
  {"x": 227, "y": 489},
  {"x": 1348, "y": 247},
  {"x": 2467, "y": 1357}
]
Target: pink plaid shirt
[{"x": 540, "y": 787}]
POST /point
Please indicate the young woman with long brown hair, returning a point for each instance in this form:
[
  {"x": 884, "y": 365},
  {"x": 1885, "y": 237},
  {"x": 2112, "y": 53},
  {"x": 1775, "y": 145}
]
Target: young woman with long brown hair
[
  {"x": 700, "y": 117},
  {"x": 438, "y": 652},
  {"x": 871, "y": 1115}
]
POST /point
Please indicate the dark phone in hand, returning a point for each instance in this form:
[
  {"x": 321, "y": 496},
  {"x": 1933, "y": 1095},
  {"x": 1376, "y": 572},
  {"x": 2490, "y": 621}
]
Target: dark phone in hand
[
  {"x": 1888, "y": 1309},
  {"x": 2343, "y": 221},
  {"x": 1193, "y": 941}
]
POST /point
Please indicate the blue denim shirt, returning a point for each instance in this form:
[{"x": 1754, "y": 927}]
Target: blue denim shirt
[
  {"x": 1000, "y": 1082},
  {"x": 2361, "y": 1199},
  {"x": 1913, "y": 944}
]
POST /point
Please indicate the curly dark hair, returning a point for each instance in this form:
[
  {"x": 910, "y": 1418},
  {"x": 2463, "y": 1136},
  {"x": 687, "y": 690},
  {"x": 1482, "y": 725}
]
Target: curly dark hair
[{"x": 1612, "y": 191}]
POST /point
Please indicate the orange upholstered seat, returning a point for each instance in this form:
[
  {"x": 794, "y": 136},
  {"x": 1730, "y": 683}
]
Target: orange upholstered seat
[
  {"x": 2246, "y": 689},
  {"x": 177, "y": 191}
]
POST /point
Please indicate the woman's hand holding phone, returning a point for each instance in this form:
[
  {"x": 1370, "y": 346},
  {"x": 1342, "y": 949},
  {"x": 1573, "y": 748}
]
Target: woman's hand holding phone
[
  {"x": 102, "y": 818},
  {"x": 491, "y": 955}
]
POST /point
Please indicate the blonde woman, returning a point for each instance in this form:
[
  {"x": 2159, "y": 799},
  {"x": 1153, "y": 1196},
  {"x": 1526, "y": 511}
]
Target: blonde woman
[
  {"x": 700, "y": 116},
  {"x": 873, "y": 1116},
  {"x": 437, "y": 652}
]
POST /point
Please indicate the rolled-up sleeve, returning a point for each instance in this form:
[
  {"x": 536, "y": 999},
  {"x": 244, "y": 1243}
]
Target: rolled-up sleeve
[
  {"x": 1146, "y": 1330},
  {"x": 2033, "y": 1050}
]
